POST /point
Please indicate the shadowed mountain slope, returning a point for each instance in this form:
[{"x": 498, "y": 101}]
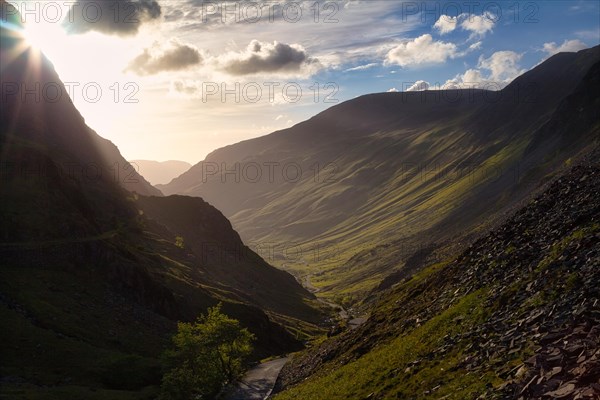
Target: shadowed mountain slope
[
  {"x": 90, "y": 287},
  {"x": 224, "y": 259}
]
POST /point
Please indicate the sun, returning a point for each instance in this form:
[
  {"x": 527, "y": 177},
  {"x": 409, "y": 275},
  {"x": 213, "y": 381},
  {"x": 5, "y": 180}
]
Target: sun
[
  {"x": 47, "y": 37},
  {"x": 83, "y": 61}
]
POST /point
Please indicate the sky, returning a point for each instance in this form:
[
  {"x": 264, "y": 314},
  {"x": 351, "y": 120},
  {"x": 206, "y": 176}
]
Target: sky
[{"x": 177, "y": 79}]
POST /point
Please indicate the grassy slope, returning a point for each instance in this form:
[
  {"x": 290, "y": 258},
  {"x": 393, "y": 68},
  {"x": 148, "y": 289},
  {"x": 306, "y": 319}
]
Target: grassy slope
[
  {"x": 398, "y": 173},
  {"x": 442, "y": 334}
]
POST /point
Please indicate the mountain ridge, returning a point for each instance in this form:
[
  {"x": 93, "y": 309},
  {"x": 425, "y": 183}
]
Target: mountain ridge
[{"x": 417, "y": 168}]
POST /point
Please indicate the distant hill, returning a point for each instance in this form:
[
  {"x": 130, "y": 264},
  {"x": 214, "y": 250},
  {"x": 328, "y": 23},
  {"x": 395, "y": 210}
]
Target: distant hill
[
  {"x": 385, "y": 178},
  {"x": 157, "y": 172}
]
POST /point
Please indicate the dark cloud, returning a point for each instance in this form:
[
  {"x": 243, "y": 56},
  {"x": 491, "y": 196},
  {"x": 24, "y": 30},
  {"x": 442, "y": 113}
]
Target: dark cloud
[
  {"x": 112, "y": 17},
  {"x": 173, "y": 57},
  {"x": 266, "y": 57},
  {"x": 174, "y": 15}
]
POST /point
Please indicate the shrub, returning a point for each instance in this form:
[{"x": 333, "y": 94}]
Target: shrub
[{"x": 207, "y": 355}]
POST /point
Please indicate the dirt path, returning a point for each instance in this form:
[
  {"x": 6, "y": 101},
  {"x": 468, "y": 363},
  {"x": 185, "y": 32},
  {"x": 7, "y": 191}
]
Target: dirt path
[{"x": 258, "y": 383}]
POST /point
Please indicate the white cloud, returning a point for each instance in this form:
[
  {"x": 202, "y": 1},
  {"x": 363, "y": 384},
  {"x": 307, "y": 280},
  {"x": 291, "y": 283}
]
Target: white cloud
[
  {"x": 502, "y": 67},
  {"x": 393, "y": 90},
  {"x": 567, "y": 46},
  {"x": 475, "y": 46},
  {"x": 362, "y": 67},
  {"x": 419, "y": 86},
  {"x": 334, "y": 44},
  {"x": 446, "y": 24},
  {"x": 421, "y": 50},
  {"x": 479, "y": 25}
]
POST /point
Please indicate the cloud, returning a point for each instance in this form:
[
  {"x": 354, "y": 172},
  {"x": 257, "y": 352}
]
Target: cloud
[
  {"x": 174, "y": 56},
  {"x": 421, "y": 50},
  {"x": 393, "y": 90},
  {"x": 591, "y": 34},
  {"x": 445, "y": 24},
  {"x": 567, "y": 46},
  {"x": 362, "y": 67},
  {"x": 111, "y": 17},
  {"x": 475, "y": 46},
  {"x": 418, "y": 86},
  {"x": 260, "y": 57},
  {"x": 502, "y": 67},
  {"x": 478, "y": 25},
  {"x": 185, "y": 89}
]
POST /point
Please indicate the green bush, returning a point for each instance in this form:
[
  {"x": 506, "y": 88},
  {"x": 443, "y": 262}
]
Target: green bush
[{"x": 207, "y": 355}]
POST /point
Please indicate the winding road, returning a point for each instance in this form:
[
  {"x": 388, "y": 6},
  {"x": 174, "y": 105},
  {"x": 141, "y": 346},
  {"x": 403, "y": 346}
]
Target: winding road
[{"x": 258, "y": 383}]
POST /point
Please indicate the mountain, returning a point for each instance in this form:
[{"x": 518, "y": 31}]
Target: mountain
[
  {"x": 377, "y": 181},
  {"x": 160, "y": 172},
  {"x": 222, "y": 258},
  {"x": 93, "y": 275},
  {"x": 43, "y": 114},
  {"x": 514, "y": 316}
]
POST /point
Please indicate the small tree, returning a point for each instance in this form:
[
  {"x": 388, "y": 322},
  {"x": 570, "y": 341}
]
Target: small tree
[{"x": 208, "y": 354}]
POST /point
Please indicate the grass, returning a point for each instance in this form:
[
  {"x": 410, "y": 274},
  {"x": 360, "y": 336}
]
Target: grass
[
  {"x": 65, "y": 336},
  {"x": 415, "y": 202},
  {"x": 386, "y": 369},
  {"x": 559, "y": 247}
]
